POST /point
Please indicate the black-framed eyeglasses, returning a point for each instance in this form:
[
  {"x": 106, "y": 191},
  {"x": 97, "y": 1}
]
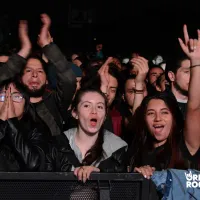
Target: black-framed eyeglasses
[{"x": 16, "y": 97}]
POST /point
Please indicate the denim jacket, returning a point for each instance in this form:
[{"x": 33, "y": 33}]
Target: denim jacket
[{"x": 178, "y": 184}]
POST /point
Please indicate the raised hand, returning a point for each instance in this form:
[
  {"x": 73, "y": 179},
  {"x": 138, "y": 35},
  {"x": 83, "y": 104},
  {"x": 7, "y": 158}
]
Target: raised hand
[
  {"x": 24, "y": 39},
  {"x": 44, "y": 38},
  {"x": 4, "y": 108},
  {"x": 191, "y": 47},
  {"x": 141, "y": 68},
  {"x": 104, "y": 75},
  {"x": 11, "y": 108}
]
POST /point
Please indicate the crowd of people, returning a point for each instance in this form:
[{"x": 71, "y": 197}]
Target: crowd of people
[{"x": 95, "y": 113}]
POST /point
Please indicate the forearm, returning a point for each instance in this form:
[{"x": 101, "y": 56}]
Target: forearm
[
  {"x": 192, "y": 125},
  {"x": 194, "y": 92},
  {"x": 65, "y": 78},
  {"x": 139, "y": 96}
]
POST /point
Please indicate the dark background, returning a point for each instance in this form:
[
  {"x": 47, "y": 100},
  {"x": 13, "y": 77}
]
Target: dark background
[{"x": 147, "y": 26}]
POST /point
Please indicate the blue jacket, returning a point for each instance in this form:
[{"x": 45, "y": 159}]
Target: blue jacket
[{"x": 178, "y": 184}]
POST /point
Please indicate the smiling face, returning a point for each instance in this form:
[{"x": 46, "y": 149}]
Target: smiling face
[
  {"x": 90, "y": 112},
  {"x": 159, "y": 120}
]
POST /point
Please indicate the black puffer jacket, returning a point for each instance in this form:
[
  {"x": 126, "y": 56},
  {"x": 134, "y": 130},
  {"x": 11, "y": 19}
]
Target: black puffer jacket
[
  {"x": 22, "y": 146},
  {"x": 63, "y": 158}
]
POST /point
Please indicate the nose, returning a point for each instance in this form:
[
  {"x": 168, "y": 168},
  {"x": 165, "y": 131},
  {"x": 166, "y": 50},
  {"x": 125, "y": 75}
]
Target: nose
[
  {"x": 34, "y": 74},
  {"x": 157, "y": 117},
  {"x": 93, "y": 111}
]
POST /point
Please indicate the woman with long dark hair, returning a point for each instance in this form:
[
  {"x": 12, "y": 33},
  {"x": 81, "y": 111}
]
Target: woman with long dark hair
[
  {"x": 163, "y": 140},
  {"x": 89, "y": 147},
  {"x": 158, "y": 131}
]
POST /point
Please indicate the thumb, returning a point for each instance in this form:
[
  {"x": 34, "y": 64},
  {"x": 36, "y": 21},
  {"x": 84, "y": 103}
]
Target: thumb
[
  {"x": 137, "y": 170},
  {"x": 96, "y": 169},
  {"x": 153, "y": 168}
]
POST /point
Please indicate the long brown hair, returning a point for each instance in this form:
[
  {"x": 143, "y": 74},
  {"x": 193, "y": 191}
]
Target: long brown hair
[{"x": 96, "y": 151}]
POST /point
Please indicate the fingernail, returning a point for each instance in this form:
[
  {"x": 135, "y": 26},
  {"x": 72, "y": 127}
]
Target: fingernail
[{"x": 145, "y": 176}]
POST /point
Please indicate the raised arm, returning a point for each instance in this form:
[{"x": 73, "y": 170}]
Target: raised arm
[
  {"x": 104, "y": 75},
  {"x": 191, "y": 48},
  {"x": 17, "y": 61},
  {"x": 66, "y": 79},
  {"x": 141, "y": 68}
]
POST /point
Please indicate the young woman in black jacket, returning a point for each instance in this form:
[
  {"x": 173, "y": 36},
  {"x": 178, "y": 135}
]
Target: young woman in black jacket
[{"x": 89, "y": 147}]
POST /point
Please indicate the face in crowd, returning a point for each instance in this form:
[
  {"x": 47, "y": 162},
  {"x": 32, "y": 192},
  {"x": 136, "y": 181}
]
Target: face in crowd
[
  {"x": 16, "y": 98},
  {"x": 154, "y": 73},
  {"x": 159, "y": 120},
  {"x": 34, "y": 78},
  {"x": 112, "y": 89},
  {"x": 129, "y": 93},
  {"x": 90, "y": 111},
  {"x": 181, "y": 78}
]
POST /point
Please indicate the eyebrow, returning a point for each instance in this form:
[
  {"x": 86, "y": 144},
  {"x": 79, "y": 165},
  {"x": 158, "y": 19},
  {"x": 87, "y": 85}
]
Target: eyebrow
[
  {"x": 156, "y": 73},
  {"x": 32, "y": 68},
  {"x": 184, "y": 68},
  {"x": 132, "y": 89},
  {"x": 154, "y": 110},
  {"x": 91, "y": 102}
]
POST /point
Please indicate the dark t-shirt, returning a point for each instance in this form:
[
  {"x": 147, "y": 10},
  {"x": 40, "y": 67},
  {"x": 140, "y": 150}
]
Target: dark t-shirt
[
  {"x": 182, "y": 107},
  {"x": 151, "y": 158},
  {"x": 190, "y": 161},
  {"x": 156, "y": 159}
]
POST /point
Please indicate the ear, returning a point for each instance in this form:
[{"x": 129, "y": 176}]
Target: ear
[
  {"x": 123, "y": 97},
  {"x": 74, "y": 114},
  {"x": 171, "y": 76},
  {"x": 46, "y": 82}
]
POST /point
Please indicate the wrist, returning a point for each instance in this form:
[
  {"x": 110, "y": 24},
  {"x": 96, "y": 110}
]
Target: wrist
[
  {"x": 195, "y": 62},
  {"x": 44, "y": 44},
  {"x": 24, "y": 53},
  {"x": 139, "y": 91},
  {"x": 139, "y": 85}
]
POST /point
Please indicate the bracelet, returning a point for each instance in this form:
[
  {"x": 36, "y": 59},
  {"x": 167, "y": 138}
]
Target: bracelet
[
  {"x": 138, "y": 91},
  {"x": 194, "y": 66}
]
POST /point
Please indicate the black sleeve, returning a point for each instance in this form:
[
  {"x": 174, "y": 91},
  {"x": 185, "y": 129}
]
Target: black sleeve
[
  {"x": 29, "y": 150},
  {"x": 12, "y": 67},
  {"x": 65, "y": 77},
  {"x": 61, "y": 157},
  {"x": 115, "y": 163},
  {"x": 3, "y": 126}
]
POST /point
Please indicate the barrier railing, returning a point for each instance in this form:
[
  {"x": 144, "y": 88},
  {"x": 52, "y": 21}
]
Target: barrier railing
[{"x": 58, "y": 186}]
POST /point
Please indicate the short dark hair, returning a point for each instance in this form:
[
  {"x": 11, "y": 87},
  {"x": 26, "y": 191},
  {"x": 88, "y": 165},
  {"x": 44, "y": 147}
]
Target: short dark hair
[
  {"x": 154, "y": 66},
  {"x": 174, "y": 63},
  {"x": 44, "y": 64}
]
